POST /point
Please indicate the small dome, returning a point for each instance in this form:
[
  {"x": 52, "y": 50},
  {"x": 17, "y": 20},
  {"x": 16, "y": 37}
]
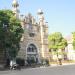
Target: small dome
[
  {"x": 15, "y": 3},
  {"x": 40, "y": 11}
]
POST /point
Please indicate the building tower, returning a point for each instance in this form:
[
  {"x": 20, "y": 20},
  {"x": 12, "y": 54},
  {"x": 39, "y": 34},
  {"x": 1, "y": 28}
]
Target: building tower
[
  {"x": 41, "y": 23},
  {"x": 15, "y": 9}
]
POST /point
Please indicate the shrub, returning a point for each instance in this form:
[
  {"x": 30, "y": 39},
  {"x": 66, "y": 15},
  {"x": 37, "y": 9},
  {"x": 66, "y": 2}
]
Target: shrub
[{"x": 20, "y": 61}]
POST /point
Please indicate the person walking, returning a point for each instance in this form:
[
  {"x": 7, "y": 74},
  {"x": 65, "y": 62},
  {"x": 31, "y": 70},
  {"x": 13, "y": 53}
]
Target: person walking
[
  {"x": 60, "y": 56},
  {"x": 11, "y": 65},
  {"x": 60, "y": 59}
]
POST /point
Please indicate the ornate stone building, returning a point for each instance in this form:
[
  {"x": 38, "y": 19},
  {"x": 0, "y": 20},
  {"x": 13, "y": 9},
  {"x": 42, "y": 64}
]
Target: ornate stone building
[
  {"x": 34, "y": 42},
  {"x": 69, "y": 49}
]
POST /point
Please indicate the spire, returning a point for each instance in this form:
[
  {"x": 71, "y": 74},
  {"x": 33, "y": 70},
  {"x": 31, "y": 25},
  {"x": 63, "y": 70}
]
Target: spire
[
  {"x": 40, "y": 15},
  {"x": 41, "y": 23},
  {"x": 40, "y": 11},
  {"x": 15, "y": 3},
  {"x": 15, "y": 6}
]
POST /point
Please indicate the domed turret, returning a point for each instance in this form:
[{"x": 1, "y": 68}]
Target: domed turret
[
  {"x": 15, "y": 10},
  {"x": 15, "y": 3},
  {"x": 40, "y": 15}
]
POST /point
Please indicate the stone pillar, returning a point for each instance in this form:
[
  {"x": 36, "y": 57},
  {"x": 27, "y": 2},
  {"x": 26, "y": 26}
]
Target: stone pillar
[{"x": 41, "y": 23}]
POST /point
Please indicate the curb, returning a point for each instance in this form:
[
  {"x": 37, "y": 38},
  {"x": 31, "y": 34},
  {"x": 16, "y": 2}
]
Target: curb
[{"x": 63, "y": 64}]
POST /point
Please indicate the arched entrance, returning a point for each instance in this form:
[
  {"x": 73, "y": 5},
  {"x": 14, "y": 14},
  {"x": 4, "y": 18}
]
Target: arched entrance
[{"x": 32, "y": 54}]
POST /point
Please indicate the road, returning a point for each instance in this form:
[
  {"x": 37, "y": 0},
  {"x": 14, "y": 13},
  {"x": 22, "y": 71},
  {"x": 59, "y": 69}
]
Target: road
[{"x": 60, "y": 70}]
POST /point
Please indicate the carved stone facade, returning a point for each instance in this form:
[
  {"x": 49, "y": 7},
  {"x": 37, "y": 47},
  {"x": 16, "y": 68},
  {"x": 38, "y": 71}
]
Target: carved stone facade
[{"x": 34, "y": 42}]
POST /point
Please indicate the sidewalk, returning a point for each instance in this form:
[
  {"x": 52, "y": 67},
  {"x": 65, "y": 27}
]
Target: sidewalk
[{"x": 62, "y": 64}]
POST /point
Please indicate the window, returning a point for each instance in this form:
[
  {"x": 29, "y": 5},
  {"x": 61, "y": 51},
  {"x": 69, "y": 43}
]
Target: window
[
  {"x": 32, "y": 48},
  {"x": 31, "y": 34}
]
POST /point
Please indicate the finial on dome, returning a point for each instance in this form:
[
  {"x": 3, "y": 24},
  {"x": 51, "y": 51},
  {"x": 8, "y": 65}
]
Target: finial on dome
[
  {"x": 15, "y": 3},
  {"x": 40, "y": 11}
]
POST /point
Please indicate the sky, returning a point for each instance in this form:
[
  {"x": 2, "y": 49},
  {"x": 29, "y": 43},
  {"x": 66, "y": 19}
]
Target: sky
[{"x": 60, "y": 14}]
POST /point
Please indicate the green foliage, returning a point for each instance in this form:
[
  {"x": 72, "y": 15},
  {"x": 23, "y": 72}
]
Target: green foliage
[
  {"x": 44, "y": 62},
  {"x": 10, "y": 33},
  {"x": 20, "y": 61},
  {"x": 73, "y": 33},
  {"x": 56, "y": 41}
]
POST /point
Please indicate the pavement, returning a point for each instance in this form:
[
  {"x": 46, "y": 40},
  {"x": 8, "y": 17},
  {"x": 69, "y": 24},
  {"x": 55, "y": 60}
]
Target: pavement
[
  {"x": 57, "y": 65},
  {"x": 54, "y": 69},
  {"x": 51, "y": 65},
  {"x": 63, "y": 64},
  {"x": 62, "y": 70}
]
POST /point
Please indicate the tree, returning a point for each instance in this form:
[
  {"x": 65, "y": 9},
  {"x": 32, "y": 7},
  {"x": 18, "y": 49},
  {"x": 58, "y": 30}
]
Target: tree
[
  {"x": 73, "y": 33},
  {"x": 10, "y": 33},
  {"x": 56, "y": 41}
]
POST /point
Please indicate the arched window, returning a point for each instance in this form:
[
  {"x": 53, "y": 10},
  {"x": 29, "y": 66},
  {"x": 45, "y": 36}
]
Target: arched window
[{"x": 31, "y": 48}]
